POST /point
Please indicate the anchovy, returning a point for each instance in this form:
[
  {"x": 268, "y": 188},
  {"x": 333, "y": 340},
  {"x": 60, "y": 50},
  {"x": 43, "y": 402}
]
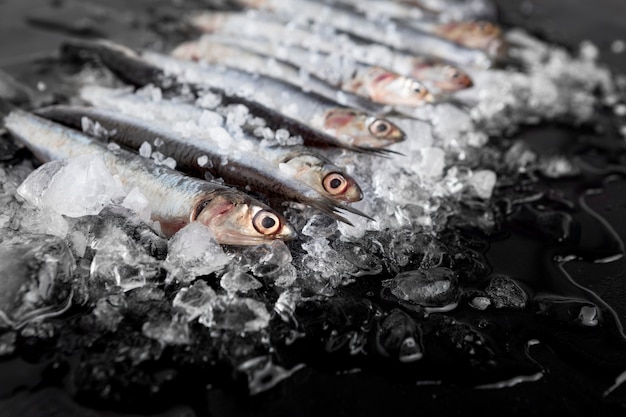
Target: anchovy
[
  {"x": 175, "y": 199},
  {"x": 477, "y": 34},
  {"x": 235, "y": 57},
  {"x": 307, "y": 166},
  {"x": 455, "y": 10},
  {"x": 132, "y": 68},
  {"x": 236, "y": 168},
  {"x": 351, "y": 126},
  {"x": 438, "y": 76},
  {"x": 428, "y": 10},
  {"x": 398, "y": 36},
  {"x": 372, "y": 82}
]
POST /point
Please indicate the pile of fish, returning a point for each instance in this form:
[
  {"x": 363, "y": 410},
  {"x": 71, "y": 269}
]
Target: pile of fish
[{"x": 226, "y": 187}]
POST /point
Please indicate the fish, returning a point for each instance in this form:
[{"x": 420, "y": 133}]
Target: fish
[
  {"x": 306, "y": 165},
  {"x": 133, "y": 68},
  {"x": 477, "y": 34},
  {"x": 455, "y": 10},
  {"x": 398, "y": 36},
  {"x": 245, "y": 171},
  {"x": 372, "y": 82},
  {"x": 176, "y": 200},
  {"x": 232, "y": 56},
  {"x": 351, "y": 126},
  {"x": 439, "y": 76}
]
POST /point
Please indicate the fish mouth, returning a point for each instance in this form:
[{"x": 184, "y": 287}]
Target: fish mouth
[{"x": 233, "y": 237}]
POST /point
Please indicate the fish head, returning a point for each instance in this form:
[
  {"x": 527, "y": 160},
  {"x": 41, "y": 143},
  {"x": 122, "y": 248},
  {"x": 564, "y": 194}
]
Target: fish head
[
  {"x": 362, "y": 129},
  {"x": 240, "y": 220},
  {"x": 187, "y": 50},
  {"x": 477, "y": 34},
  {"x": 392, "y": 88},
  {"x": 444, "y": 77},
  {"x": 323, "y": 176}
]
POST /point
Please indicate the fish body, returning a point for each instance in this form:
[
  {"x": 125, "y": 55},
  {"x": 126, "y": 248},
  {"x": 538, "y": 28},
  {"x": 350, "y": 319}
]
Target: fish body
[
  {"x": 136, "y": 70},
  {"x": 398, "y": 36},
  {"x": 307, "y": 166},
  {"x": 372, "y": 82},
  {"x": 353, "y": 127},
  {"x": 245, "y": 171},
  {"x": 437, "y": 75},
  {"x": 175, "y": 199}
]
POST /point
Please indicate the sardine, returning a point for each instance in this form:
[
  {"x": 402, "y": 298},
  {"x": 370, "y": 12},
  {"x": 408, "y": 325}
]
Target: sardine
[
  {"x": 400, "y": 37},
  {"x": 353, "y": 127},
  {"x": 455, "y": 10},
  {"x": 243, "y": 170},
  {"x": 233, "y": 56},
  {"x": 439, "y": 76},
  {"x": 175, "y": 199},
  {"x": 478, "y": 34},
  {"x": 372, "y": 82},
  {"x": 306, "y": 165},
  {"x": 132, "y": 68}
]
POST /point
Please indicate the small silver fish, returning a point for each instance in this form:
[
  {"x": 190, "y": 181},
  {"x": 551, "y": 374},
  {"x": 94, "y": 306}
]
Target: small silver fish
[{"x": 175, "y": 199}]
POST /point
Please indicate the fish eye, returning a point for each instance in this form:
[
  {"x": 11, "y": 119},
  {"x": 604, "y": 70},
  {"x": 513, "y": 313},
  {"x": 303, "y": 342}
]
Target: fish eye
[
  {"x": 417, "y": 88},
  {"x": 453, "y": 73},
  {"x": 380, "y": 127},
  {"x": 266, "y": 223},
  {"x": 335, "y": 183}
]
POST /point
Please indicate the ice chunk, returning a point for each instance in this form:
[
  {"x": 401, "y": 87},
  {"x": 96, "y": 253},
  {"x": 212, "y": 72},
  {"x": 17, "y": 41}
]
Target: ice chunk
[
  {"x": 265, "y": 260},
  {"x": 483, "y": 182},
  {"x": 431, "y": 164},
  {"x": 236, "y": 280},
  {"x": 505, "y": 292},
  {"x": 434, "y": 287},
  {"x": 195, "y": 300},
  {"x": 36, "y": 273},
  {"x": 145, "y": 150},
  {"x": 76, "y": 187},
  {"x": 121, "y": 262},
  {"x": 168, "y": 332},
  {"x": 210, "y": 119},
  {"x": 237, "y": 314},
  {"x": 193, "y": 251},
  {"x": 108, "y": 311},
  {"x": 320, "y": 225},
  {"x": 43, "y": 221},
  {"x": 138, "y": 203}
]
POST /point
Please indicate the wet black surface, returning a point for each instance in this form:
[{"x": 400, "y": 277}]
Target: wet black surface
[{"x": 579, "y": 364}]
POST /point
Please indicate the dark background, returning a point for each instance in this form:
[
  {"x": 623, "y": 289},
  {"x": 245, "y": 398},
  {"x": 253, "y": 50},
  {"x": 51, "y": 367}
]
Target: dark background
[{"x": 570, "y": 387}]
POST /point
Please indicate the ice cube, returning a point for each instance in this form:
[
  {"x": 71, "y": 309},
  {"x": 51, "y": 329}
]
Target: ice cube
[
  {"x": 237, "y": 314},
  {"x": 483, "y": 182},
  {"x": 430, "y": 287},
  {"x": 195, "y": 300},
  {"x": 138, "y": 203},
  {"x": 36, "y": 282},
  {"x": 121, "y": 262},
  {"x": 235, "y": 280},
  {"x": 145, "y": 150},
  {"x": 76, "y": 187},
  {"x": 193, "y": 251},
  {"x": 168, "y": 332}
]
